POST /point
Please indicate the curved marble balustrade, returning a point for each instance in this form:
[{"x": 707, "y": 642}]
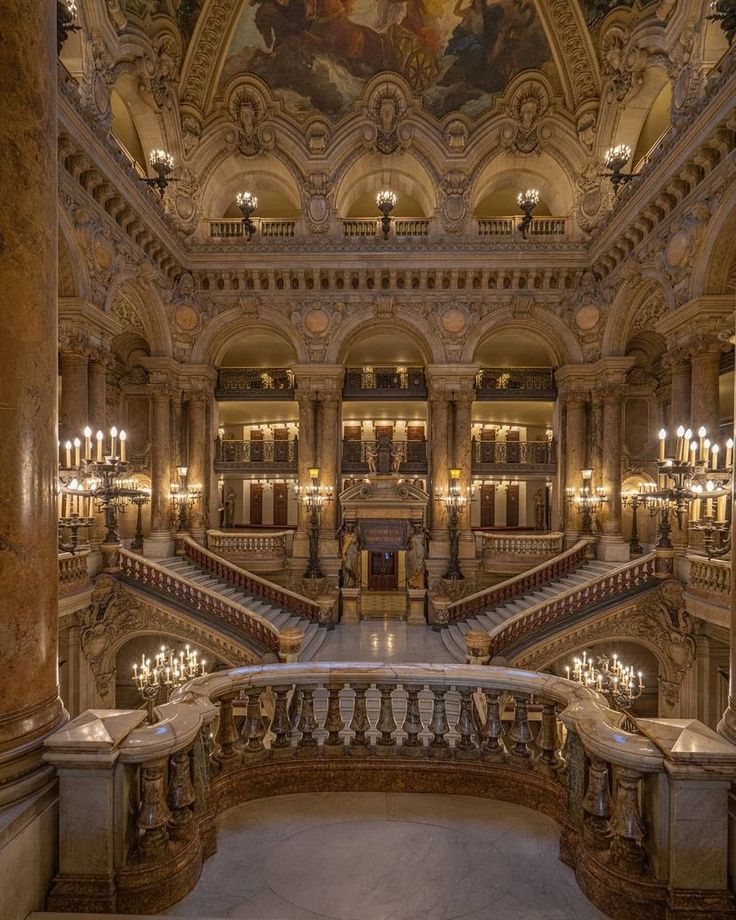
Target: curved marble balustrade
[
  {"x": 259, "y": 551},
  {"x": 633, "y": 807}
]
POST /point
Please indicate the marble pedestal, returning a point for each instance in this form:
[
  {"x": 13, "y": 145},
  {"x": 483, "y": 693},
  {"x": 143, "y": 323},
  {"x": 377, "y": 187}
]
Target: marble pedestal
[
  {"x": 158, "y": 545},
  {"x": 350, "y": 605},
  {"x": 416, "y": 615},
  {"x": 613, "y": 549}
]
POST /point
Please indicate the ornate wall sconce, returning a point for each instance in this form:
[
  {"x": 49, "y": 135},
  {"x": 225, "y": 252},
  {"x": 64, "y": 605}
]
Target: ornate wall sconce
[
  {"x": 248, "y": 204},
  {"x": 386, "y": 201},
  {"x": 527, "y": 200}
]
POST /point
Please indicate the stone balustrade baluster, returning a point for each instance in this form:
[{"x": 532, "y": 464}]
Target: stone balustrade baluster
[
  {"x": 253, "y": 730},
  {"x": 360, "y": 723},
  {"x": 493, "y": 728},
  {"x": 466, "y": 743},
  {"x": 439, "y": 725},
  {"x": 202, "y": 765},
  {"x": 412, "y": 722},
  {"x": 520, "y": 732},
  {"x": 307, "y": 721},
  {"x": 227, "y": 734},
  {"x": 281, "y": 724},
  {"x": 597, "y": 806},
  {"x": 549, "y": 757},
  {"x": 295, "y": 705},
  {"x": 334, "y": 723},
  {"x": 181, "y": 795},
  {"x": 386, "y": 724},
  {"x": 627, "y": 824},
  {"x": 153, "y": 812}
]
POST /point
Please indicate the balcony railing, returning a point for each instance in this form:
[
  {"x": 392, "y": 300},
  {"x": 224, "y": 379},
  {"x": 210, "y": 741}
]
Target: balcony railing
[
  {"x": 269, "y": 228},
  {"x": 622, "y": 799},
  {"x": 404, "y": 456},
  {"x": 73, "y": 572},
  {"x": 541, "y": 227},
  {"x": 256, "y": 455},
  {"x": 538, "y": 456},
  {"x": 363, "y": 227},
  {"x": 516, "y": 383},
  {"x": 396, "y": 382},
  {"x": 257, "y": 551},
  {"x": 255, "y": 383}
]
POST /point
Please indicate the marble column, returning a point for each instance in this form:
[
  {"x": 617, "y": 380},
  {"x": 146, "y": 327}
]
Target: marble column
[
  {"x": 680, "y": 387},
  {"x": 463, "y": 454},
  {"x": 31, "y": 707},
  {"x": 440, "y": 460},
  {"x": 727, "y": 725},
  {"x": 612, "y": 546},
  {"x": 97, "y": 396},
  {"x": 159, "y": 542},
  {"x": 704, "y": 410},
  {"x": 575, "y": 454},
  {"x": 197, "y": 472},
  {"x": 329, "y": 439},
  {"x": 307, "y": 453},
  {"x": 74, "y": 396}
]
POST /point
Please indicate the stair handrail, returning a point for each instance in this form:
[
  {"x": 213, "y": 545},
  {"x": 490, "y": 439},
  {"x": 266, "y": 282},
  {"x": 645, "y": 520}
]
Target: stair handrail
[
  {"x": 160, "y": 578},
  {"x": 262, "y": 588},
  {"x": 517, "y": 585},
  {"x": 621, "y": 580}
]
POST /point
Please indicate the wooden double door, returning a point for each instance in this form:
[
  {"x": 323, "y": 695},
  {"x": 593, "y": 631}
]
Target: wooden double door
[
  {"x": 280, "y": 504},
  {"x": 383, "y": 571}
]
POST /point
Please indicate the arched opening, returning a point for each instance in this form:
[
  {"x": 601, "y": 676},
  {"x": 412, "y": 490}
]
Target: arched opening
[
  {"x": 503, "y": 201},
  {"x": 507, "y": 348},
  {"x": 389, "y": 346},
  {"x": 502, "y": 179},
  {"x": 402, "y": 174},
  {"x": 258, "y": 349},
  {"x": 655, "y": 124},
  {"x": 273, "y": 185},
  {"x": 124, "y": 129}
]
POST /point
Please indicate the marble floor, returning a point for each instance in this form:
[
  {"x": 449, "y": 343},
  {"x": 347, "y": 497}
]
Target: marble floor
[
  {"x": 383, "y": 640},
  {"x": 376, "y": 856}
]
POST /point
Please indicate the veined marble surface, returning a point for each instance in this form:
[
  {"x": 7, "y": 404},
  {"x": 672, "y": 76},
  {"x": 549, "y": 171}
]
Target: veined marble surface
[
  {"x": 376, "y": 856},
  {"x": 383, "y": 640}
]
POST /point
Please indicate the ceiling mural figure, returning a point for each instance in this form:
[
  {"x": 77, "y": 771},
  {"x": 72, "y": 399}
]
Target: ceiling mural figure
[
  {"x": 317, "y": 54},
  {"x": 595, "y": 10}
]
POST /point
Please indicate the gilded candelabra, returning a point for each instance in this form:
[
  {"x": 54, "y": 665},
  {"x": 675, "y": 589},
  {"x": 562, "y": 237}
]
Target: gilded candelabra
[
  {"x": 169, "y": 670},
  {"x": 587, "y": 500},
  {"x": 314, "y": 496},
  {"x": 454, "y": 499},
  {"x": 183, "y": 498},
  {"x": 608, "y": 675}
]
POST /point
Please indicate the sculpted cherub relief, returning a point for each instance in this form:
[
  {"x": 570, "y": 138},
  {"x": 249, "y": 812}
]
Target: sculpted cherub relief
[
  {"x": 386, "y": 108},
  {"x": 248, "y": 112},
  {"x": 527, "y": 130}
]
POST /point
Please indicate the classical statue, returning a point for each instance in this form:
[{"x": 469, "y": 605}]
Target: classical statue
[
  {"x": 416, "y": 557},
  {"x": 371, "y": 456},
  {"x": 229, "y": 508},
  {"x": 539, "y": 510},
  {"x": 350, "y": 552}
]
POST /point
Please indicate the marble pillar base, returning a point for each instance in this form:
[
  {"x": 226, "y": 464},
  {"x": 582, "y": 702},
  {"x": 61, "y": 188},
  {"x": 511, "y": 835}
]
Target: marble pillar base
[
  {"x": 28, "y": 851},
  {"x": 416, "y": 615},
  {"x": 613, "y": 549},
  {"x": 664, "y": 563},
  {"x": 159, "y": 545},
  {"x": 350, "y": 605}
]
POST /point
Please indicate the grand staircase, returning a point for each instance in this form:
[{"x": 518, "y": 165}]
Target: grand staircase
[
  {"x": 314, "y": 634},
  {"x": 504, "y": 621}
]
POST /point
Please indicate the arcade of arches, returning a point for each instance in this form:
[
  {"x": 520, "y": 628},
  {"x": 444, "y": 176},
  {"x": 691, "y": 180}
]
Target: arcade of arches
[{"x": 339, "y": 426}]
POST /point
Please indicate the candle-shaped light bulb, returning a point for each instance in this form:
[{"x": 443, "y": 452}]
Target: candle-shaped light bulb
[
  {"x": 113, "y": 439},
  {"x": 662, "y": 443},
  {"x": 68, "y": 454},
  {"x": 123, "y": 438},
  {"x": 99, "y": 437},
  {"x": 729, "y": 453},
  {"x": 714, "y": 457},
  {"x": 87, "y": 443},
  {"x": 77, "y": 456}
]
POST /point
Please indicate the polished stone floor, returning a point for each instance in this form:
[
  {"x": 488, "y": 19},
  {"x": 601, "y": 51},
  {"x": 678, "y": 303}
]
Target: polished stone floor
[
  {"x": 383, "y": 640},
  {"x": 376, "y": 856}
]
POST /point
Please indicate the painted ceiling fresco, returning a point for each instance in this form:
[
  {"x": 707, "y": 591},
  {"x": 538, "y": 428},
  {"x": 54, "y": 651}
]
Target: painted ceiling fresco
[{"x": 317, "y": 54}]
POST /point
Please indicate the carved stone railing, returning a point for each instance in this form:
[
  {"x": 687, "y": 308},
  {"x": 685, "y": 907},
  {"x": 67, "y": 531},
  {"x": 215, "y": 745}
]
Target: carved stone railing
[
  {"x": 231, "y": 228},
  {"x": 73, "y": 572},
  {"x": 511, "y": 588},
  {"x": 710, "y": 578},
  {"x": 631, "y": 806},
  {"x": 618, "y": 583},
  {"x": 256, "y": 455},
  {"x": 516, "y": 383},
  {"x": 162, "y": 581},
  {"x": 397, "y": 381},
  {"x": 296, "y": 604},
  {"x": 362, "y": 227},
  {"x": 508, "y": 226},
  {"x": 258, "y": 551},
  {"x": 255, "y": 383},
  {"x": 516, "y": 552},
  {"x": 539, "y": 455},
  {"x": 406, "y": 456}
]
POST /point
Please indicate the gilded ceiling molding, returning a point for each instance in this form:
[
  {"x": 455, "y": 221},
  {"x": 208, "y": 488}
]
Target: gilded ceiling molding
[
  {"x": 201, "y": 71},
  {"x": 576, "y": 60}
]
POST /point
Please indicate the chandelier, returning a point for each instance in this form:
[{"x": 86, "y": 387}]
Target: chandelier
[
  {"x": 247, "y": 203},
  {"x": 314, "y": 497},
  {"x": 386, "y": 201},
  {"x": 169, "y": 670},
  {"x": 587, "y": 500},
  {"x": 183, "y": 498},
  {"x": 527, "y": 201},
  {"x": 609, "y": 676},
  {"x": 615, "y": 159},
  {"x": 66, "y": 12},
  {"x": 454, "y": 499}
]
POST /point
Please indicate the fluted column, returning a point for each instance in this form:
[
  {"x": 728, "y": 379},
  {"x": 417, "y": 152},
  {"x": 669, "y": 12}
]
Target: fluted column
[
  {"x": 197, "y": 472},
  {"x": 463, "y": 453},
  {"x": 30, "y": 706},
  {"x": 160, "y": 537},
  {"x": 680, "y": 389},
  {"x": 705, "y": 359},
  {"x": 440, "y": 459},
  {"x": 97, "y": 395},
  {"x": 307, "y": 449},
  {"x": 575, "y": 452},
  {"x": 613, "y": 546},
  {"x": 74, "y": 395},
  {"x": 727, "y": 725},
  {"x": 329, "y": 439}
]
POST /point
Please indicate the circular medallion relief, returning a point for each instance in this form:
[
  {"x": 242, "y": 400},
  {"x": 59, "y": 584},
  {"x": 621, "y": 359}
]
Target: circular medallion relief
[
  {"x": 677, "y": 249},
  {"x": 318, "y": 208},
  {"x": 587, "y": 317},
  {"x": 103, "y": 252},
  {"x": 316, "y": 321},
  {"x": 186, "y": 317},
  {"x": 455, "y": 207},
  {"x": 184, "y": 207},
  {"x": 453, "y": 320},
  {"x": 591, "y": 202}
]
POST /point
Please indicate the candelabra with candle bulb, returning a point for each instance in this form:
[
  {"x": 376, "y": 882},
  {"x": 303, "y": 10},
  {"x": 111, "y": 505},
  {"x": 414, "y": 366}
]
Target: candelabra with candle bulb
[
  {"x": 314, "y": 497},
  {"x": 634, "y": 500},
  {"x": 183, "y": 498},
  {"x": 712, "y": 489},
  {"x": 619, "y": 682},
  {"x": 169, "y": 670},
  {"x": 587, "y": 500},
  {"x": 139, "y": 501},
  {"x": 454, "y": 499},
  {"x": 247, "y": 203},
  {"x": 386, "y": 201},
  {"x": 527, "y": 201}
]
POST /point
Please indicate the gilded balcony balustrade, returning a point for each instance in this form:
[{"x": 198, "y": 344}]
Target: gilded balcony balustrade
[
  {"x": 516, "y": 383},
  {"x": 385, "y": 382},
  {"x": 256, "y": 456},
  {"x": 363, "y": 456},
  {"x": 513, "y": 456},
  {"x": 254, "y": 383}
]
